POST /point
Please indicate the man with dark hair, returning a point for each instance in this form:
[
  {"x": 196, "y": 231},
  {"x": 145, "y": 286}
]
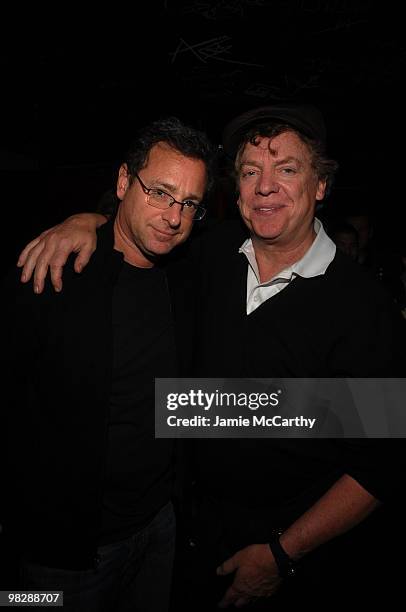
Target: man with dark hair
[
  {"x": 345, "y": 237},
  {"x": 360, "y": 218},
  {"x": 90, "y": 487},
  {"x": 377, "y": 251},
  {"x": 278, "y": 301}
]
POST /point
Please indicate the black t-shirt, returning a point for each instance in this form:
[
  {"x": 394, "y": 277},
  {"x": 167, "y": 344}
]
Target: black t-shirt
[{"x": 138, "y": 470}]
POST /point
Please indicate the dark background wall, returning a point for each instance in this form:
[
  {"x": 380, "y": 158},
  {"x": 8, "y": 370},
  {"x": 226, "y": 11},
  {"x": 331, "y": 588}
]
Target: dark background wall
[{"x": 76, "y": 83}]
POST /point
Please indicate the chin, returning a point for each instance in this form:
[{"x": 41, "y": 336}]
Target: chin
[
  {"x": 267, "y": 231},
  {"x": 162, "y": 248}
]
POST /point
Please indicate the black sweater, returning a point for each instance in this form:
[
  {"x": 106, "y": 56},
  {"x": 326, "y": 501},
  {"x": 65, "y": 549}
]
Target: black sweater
[{"x": 340, "y": 324}]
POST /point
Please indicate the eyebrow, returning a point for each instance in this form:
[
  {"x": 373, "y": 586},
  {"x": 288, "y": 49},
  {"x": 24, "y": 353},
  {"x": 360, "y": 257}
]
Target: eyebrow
[
  {"x": 288, "y": 160},
  {"x": 285, "y": 160},
  {"x": 248, "y": 162},
  {"x": 173, "y": 188}
]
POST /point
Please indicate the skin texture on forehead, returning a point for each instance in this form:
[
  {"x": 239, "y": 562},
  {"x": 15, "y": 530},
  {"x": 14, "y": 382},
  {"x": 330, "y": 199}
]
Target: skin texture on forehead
[
  {"x": 165, "y": 168},
  {"x": 272, "y": 144}
]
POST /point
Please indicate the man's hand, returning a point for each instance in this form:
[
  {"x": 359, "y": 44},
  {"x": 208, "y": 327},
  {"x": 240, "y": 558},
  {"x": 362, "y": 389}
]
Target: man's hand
[
  {"x": 52, "y": 248},
  {"x": 256, "y": 575}
]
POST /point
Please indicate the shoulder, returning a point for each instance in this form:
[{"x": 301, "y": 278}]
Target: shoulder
[
  {"x": 22, "y": 308},
  {"x": 345, "y": 277},
  {"x": 219, "y": 239},
  {"x": 360, "y": 301}
]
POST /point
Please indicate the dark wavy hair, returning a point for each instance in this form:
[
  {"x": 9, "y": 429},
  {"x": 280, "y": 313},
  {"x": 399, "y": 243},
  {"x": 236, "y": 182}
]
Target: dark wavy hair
[
  {"x": 324, "y": 167},
  {"x": 185, "y": 139}
]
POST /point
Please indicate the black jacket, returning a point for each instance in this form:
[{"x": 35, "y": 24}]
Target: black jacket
[{"x": 57, "y": 350}]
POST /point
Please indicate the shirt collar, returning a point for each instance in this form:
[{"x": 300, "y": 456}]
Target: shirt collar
[{"x": 313, "y": 263}]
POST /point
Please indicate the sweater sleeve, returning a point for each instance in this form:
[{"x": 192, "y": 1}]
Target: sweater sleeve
[
  {"x": 371, "y": 345},
  {"x": 378, "y": 465}
]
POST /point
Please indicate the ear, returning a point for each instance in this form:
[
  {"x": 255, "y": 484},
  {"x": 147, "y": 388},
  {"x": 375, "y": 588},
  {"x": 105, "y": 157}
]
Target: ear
[
  {"x": 321, "y": 189},
  {"x": 123, "y": 181}
]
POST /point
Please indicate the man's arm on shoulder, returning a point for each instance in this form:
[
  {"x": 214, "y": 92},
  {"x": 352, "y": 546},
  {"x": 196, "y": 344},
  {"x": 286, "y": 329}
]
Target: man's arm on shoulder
[{"x": 51, "y": 249}]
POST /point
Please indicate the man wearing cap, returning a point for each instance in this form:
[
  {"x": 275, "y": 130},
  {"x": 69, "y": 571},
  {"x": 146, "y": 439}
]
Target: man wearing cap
[
  {"x": 283, "y": 302},
  {"x": 278, "y": 301}
]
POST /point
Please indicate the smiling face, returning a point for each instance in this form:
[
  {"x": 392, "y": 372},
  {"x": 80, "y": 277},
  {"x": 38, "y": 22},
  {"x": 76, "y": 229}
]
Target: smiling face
[
  {"x": 278, "y": 190},
  {"x": 143, "y": 232}
]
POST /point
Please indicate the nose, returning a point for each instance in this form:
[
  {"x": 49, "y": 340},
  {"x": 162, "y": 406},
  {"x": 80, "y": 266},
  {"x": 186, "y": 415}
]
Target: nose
[
  {"x": 267, "y": 183},
  {"x": 172, "y": 215}
]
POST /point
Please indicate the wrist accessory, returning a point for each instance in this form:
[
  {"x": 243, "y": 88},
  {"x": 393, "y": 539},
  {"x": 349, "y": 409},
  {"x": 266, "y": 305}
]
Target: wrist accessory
[{"x": 286, "y": 565}]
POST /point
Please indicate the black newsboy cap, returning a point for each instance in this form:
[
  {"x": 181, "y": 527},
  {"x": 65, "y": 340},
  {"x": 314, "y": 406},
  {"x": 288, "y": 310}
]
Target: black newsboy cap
[{"x": 305, "y": 118}]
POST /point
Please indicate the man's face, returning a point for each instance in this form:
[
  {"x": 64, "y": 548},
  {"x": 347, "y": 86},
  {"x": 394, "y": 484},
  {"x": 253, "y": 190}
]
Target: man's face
[
  {"x": 347, "y": 243},
  {"x": 278, "y": 191},
  {"x": 143, "y": 232},
  {"x": 362, "y": 224}
]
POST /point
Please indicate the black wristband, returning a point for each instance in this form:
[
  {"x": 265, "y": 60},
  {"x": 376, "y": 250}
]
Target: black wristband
[{"x": 286, "y": 565}]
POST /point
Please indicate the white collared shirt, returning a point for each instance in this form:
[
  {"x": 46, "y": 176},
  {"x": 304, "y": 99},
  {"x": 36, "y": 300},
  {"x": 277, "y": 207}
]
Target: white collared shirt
[{"x": 313, "y": 263}]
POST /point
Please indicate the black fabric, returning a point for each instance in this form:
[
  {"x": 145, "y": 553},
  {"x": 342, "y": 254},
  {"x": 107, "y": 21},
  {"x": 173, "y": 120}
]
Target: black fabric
[
  {"x": 338, "y": 325},
  {"x": 57, "y": 445},
  {"x": 350, "y": 568},
  {"x": 341, "y": 324},
  {"x": 138, "y": 472},
  {"x": 306, "y": 118}
]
